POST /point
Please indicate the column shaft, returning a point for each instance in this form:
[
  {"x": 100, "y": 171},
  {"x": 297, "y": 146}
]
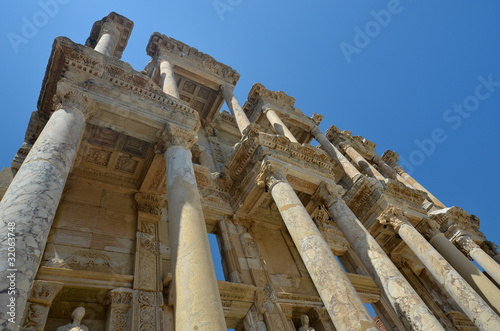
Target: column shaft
[
  {"x": 469, "y": 301},
  {"x": 278, "y": 124},
  {"x": 197, "y": 301},
  {"x": 386, "y": 275},
  {"x": 339, "y": 296},
  {"x": 235, "y": 108},
  {"x": 167, "y": 76},
  {"x": 484, "y": 260},
  {"x": 29, "y": 206},
  {"x": 335, "y": 154},
  {"x": 361, "y": 162},
  {"x": 484, "y": 287},
  {"x": 108, "y": 39}
]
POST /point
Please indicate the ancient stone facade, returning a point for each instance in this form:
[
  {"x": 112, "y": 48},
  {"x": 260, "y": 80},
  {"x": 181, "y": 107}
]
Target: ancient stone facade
[{"x": 107, "y": 205}]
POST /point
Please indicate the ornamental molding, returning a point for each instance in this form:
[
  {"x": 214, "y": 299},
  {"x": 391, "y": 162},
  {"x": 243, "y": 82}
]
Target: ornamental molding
[{"x": 180, "y": 53}]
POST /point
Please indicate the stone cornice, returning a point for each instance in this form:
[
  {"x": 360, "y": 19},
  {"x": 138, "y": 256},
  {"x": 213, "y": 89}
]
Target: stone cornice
[
  {"x": 453, "y": 218},
  {"x": 100, "y": 78},
  {"x": 117, "y": 21},
  {"x": 277, "y": 99},
  {"x": 180, "y": 53},
  {"x": 276, "y": 145}
]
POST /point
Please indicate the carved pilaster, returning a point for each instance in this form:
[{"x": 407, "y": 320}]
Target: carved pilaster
[
  {"x": 119, "y": 317},
  {"x": 37, "y": 309},
  {"x": 150, "y": 203},
  {"x": 231, "y": 257},
  {"x": 147, "y": 311}
]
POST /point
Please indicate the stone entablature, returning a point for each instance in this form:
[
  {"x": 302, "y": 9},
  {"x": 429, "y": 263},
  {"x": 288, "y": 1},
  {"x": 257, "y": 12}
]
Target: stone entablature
[{"x": 182, "y": 55}]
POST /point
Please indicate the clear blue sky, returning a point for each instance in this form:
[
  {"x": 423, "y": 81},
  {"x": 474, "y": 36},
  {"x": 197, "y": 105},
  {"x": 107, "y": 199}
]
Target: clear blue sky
[{"x": 393, "y": 83}]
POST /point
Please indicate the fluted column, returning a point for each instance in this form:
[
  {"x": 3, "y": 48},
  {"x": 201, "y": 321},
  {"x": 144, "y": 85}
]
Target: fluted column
[
  {"x": 167, "y": 76},
  {"x": 197, "y": 302},
  {"x": 392, "y": 160},
  {"x": 339, "y": 296},
  {"x": 108, "y": 38},
  {"x": 278, "y": 125},
  {"x": 474, "y": 252},
  {"x": 361, "y": 161},
  {"x": 28, "y": 207},
  {"x": 386, "y": 275},
  {"x": 235, "y": 108},
  {"x": 335, "y": 154},
  {"x": 464, "y": 295},
  {"x": 37, "y": 310}
]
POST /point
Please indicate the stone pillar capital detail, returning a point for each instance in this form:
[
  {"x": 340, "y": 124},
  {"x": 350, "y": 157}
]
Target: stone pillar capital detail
[
  {"x": 120, "y": 296},
  {"x": 44, "y": 292},
  {"x": 328, "y": 193},
  {"x": 331, "y": 132},
  {"x": 429, "y": 228},
  {"x": 316, "y": 130},
  {"x": 76, "y": 101},
  {"x": 174, "y": 136},
  {"x": 226, "y": 89},
  {"x": 466, "y": 244},
  {"x": 271, "y": 174},
  {"x": 150, "y": 203},
  {"x": 393, "y": 216}
]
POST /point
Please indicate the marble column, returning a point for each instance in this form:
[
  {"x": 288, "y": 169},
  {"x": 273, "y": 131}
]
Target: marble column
[
  {"x": 197, "y": 301},
  {"x": 28, "y": 207},
  {"x": 392, "y": 160},
  {"x": 344, "y": 306},
  {"x": 491, "y": 249},
  {"x": 402, "y": 297},
  {"x": 167, "y": 76},
  {"x": 235, "y": 108},
  {"x": 278, "y": 125},
  {"x": 361, "y": 161},
  {"x": 108, "y": 38},
  {"x": 335, "y": 154},
  {"x": 464, "y": 295},
  {"x": 473, "y": 251},
  {"x": 479, "y": 281},
  {"x": 37, "y": 309}
]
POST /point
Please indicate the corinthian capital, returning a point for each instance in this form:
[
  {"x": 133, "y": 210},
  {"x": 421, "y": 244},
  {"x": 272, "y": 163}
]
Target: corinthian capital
[
  {"x": 174, "y": 136},
  {"x": 75, "y": 100},
  {"x": 393, "y": 216},
  {"x": 328, "y": 193},
  {"x": 271, "y": 174}
]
